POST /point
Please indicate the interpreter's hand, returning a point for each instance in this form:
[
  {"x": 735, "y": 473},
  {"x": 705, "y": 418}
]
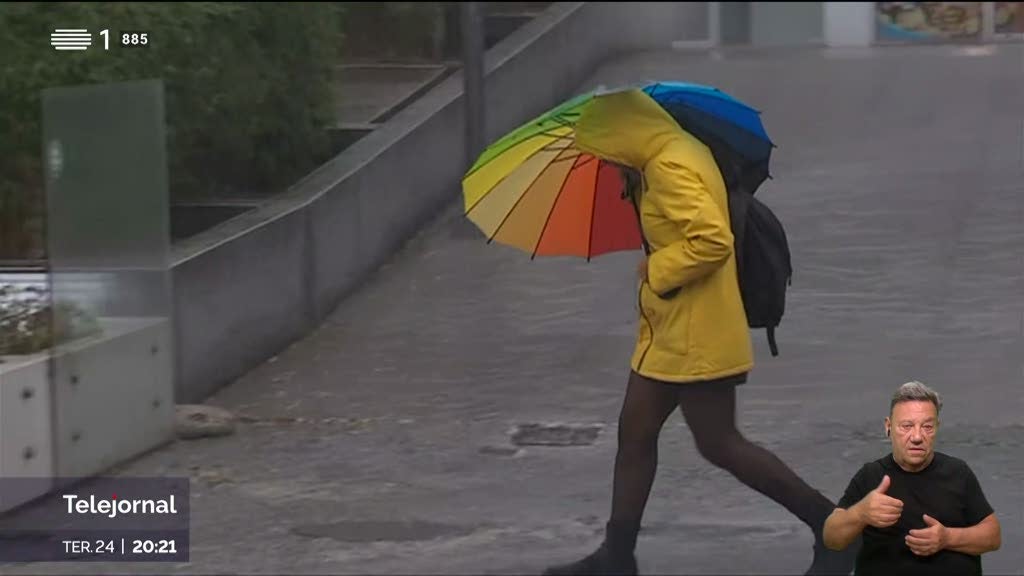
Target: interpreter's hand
[
  {"x": 879, "y": 509},
  {"x": 642, "y": 269},
  {"x": 927, "y": 541}
]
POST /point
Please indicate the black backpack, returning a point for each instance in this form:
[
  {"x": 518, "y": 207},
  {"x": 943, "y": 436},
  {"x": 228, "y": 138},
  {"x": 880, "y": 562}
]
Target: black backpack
[{"x": 762, "y": 261}]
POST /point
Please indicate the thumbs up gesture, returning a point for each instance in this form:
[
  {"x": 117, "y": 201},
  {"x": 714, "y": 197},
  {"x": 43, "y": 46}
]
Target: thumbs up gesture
[
  {"x": 927, "y": 541},
  {"x": 879, "y": 509}
]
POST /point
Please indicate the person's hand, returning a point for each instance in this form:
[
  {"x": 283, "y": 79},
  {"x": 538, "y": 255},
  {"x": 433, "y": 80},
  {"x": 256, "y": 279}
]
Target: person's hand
[
  {"x": 927, "y": 541},
  {"x": 641, "y": 270},
  {"x": 879, "y": 509}
]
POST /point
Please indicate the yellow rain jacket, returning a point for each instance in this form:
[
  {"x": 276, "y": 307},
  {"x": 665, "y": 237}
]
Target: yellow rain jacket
[{"x": 701, "y": 332}]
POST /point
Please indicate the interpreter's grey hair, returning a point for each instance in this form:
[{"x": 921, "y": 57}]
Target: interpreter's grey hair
[{"x": 916, "y": 391}]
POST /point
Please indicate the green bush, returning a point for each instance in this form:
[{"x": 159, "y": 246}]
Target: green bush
[{"x": 249, "y": 91}]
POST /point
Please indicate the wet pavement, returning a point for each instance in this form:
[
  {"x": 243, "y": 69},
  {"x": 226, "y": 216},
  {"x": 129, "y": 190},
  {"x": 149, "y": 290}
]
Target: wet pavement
[{"x": 384, "y": 442}]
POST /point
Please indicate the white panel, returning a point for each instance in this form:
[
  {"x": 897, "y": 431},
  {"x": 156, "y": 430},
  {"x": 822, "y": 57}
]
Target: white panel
[{"x": 849, "y": 23}]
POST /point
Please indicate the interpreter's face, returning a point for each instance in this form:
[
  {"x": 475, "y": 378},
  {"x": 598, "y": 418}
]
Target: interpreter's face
[{"x": 912, "y": 427}]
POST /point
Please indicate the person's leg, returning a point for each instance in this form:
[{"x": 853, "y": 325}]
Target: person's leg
[
  {"x": 710, "y": 412},
  {"x": 647, "y": 405}
]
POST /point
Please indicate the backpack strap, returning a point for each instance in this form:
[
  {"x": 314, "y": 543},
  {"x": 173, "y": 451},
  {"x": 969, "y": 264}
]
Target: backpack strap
[{"x": 771, "y": 340}]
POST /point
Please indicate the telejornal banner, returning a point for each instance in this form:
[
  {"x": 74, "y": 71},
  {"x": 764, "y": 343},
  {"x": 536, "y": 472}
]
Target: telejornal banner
[{"x": 108, "y": 519}]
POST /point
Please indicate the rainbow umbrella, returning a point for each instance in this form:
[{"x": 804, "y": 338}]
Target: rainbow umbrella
[{"x": 534, "y": 190}]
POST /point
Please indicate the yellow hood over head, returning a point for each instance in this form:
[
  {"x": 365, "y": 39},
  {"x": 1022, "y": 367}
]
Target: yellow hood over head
[{"x": 626, "y": 127}]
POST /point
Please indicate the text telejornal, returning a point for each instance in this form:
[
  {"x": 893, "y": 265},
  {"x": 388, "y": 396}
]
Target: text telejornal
[{"x": 113, "y": 507}]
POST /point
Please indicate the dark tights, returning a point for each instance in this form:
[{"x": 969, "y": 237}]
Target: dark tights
[{"x": 710, "y": 412}]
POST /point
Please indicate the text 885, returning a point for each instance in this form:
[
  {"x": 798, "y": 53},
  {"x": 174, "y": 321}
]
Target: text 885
[{"x": 134, "y": 38}]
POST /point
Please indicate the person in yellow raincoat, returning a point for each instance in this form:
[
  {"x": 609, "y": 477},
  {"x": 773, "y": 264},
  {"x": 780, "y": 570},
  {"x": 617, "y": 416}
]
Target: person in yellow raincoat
[{"x": 693, "y": 345}]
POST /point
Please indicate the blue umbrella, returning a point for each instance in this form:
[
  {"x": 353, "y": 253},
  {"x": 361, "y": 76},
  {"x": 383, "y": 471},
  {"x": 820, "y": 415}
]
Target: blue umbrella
[{"x": 729, "y": 127}]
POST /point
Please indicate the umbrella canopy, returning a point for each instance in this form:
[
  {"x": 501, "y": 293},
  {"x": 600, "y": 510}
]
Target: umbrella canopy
[
  {"x": 729, "y": 127},
  {"x": 536, "y": 190}
]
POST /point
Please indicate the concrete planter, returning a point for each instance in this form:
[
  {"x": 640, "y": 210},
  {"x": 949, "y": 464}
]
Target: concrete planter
[
  {"x": 25, "y": 428},
  {"x": 114, "y": 396},
  {"x": 111, "y": 399}
]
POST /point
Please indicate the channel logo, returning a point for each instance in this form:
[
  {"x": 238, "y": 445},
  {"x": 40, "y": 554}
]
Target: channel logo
[{"x": 70, "y": 39}]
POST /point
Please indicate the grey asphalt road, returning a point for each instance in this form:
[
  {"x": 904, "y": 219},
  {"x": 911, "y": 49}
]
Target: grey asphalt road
[{"x": 381, "y": 442}]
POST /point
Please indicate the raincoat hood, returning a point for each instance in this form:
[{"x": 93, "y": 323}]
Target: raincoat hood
[{"x": 626, "y": 127}]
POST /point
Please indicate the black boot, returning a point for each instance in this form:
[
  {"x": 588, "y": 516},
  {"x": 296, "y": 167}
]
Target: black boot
[{"x": 614, "y": 556}]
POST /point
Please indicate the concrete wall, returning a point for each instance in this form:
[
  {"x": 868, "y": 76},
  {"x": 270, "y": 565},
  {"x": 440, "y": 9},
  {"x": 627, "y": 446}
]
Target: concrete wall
[
  {"x": 26, "y": 429},
  {"x": 247, "y": 289}
]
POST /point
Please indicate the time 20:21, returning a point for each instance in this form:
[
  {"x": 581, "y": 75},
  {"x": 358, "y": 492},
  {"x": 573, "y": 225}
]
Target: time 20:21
[{"x": 154, "y": 547}]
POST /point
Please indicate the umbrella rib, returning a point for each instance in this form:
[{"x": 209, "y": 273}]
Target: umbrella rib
[
  {"x": 565, "y": 159},
  {"x": 558, "y": 196},
  {"x": 496, "y": 184},
  {"x": 562, "y": 121},
  {"x": 516, "y": 204},
  {"x": 593, "y": 212},
  {"x": 586, "y": 161},
  {"x": 561, "y": 147},
  {"x": 557, "y": 137}
]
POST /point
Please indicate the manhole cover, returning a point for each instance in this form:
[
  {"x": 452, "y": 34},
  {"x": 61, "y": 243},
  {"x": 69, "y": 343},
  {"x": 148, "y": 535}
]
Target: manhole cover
[
  {"x": 555, "y": 434},
  {"x": 386, "y": 531}
]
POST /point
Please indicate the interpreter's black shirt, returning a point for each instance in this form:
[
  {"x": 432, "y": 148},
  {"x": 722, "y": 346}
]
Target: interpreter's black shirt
[{"x": 946, "y": 490}]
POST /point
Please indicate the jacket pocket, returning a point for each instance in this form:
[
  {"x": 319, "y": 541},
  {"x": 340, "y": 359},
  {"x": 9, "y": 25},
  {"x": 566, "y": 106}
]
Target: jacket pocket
[{"x": 669, "y": 320}]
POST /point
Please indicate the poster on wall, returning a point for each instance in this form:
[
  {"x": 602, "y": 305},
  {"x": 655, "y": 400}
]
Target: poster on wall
[
  {"x": 929, "y": 21},
  {"x": 1009, "y": 18}
]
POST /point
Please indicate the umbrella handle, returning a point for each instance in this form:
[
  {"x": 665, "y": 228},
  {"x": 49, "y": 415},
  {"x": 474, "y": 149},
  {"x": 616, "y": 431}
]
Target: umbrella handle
[{"x": 631, "y": 193}]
